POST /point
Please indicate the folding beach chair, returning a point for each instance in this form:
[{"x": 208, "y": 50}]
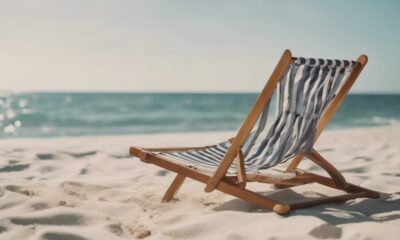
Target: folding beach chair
[{"x": 309, "y": 92}]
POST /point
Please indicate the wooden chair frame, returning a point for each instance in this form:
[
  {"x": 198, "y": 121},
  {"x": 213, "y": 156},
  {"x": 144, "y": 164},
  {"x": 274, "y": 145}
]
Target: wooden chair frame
[{"x": 236, "y": 185}]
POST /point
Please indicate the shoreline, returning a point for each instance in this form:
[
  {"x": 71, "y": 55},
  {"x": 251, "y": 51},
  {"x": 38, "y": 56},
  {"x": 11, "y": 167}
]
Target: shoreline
[{"x": 162, "y": 134}]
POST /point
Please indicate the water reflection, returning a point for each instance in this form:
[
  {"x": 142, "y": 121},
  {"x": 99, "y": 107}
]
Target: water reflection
[{"x": 10, "y": 108}]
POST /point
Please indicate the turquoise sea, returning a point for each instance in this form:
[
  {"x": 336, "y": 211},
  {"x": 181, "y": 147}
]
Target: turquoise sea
[{"x": 89, "y": 114}]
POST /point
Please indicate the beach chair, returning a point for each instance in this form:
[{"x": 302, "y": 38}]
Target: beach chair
[{"x": 309, "y": 92}]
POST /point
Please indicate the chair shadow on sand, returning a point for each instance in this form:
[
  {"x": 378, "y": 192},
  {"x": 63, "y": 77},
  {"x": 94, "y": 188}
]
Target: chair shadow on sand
[{"x": 386, "y": 208}]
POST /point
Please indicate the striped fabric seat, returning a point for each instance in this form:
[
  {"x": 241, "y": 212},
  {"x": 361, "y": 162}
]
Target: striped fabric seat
[
  {"x": 304, "y": 92},
  {"x": 206, "y": 159}
]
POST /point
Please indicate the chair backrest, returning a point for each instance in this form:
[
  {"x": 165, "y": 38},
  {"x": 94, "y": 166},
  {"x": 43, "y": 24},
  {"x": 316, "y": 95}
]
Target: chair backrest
[{"x": 305, "y": 91}]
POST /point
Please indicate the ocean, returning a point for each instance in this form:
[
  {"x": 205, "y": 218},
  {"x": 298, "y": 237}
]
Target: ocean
[{"x": 92, "y": 114}]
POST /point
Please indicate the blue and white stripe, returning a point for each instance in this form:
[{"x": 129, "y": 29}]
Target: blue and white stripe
[
  {"x": 319, "y": 62},
  {"x": 305, "y": 91}
]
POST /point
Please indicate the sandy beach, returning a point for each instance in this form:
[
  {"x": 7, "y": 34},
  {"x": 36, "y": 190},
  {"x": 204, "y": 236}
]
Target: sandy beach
[{"x": 89, "y": 188}]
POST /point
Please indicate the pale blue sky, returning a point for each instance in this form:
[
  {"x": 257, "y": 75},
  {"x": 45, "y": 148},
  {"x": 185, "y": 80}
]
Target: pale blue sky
[{"x": 197, "y": 46}]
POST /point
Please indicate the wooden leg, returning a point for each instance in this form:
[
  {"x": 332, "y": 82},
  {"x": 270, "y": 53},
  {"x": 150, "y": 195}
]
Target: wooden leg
[
  {"x": 340, "y": 198},
  {"x": 295, "y": 162},
  {"x": 336, "y": 176},
  {"x": 257, "y": 199},
  {"x": 323, "y": 163},
  {"x": 173, "y": 188},
  {"x": 351, "y": 188},
  {"x": 241, "y": 172}
]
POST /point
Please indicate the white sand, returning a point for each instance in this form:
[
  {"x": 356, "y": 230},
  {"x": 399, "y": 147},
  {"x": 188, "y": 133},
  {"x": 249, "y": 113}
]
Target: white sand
[{"x": 89, "y": 188}]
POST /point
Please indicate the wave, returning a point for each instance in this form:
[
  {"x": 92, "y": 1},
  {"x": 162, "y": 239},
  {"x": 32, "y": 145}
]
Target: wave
[{"x": 68, "y": 114}]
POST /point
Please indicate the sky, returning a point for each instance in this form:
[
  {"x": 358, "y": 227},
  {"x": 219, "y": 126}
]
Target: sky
[{"x": 188, "y": 46}]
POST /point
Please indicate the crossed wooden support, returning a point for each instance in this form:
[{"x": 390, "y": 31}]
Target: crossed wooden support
[{"x": 235, "y": 187}]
